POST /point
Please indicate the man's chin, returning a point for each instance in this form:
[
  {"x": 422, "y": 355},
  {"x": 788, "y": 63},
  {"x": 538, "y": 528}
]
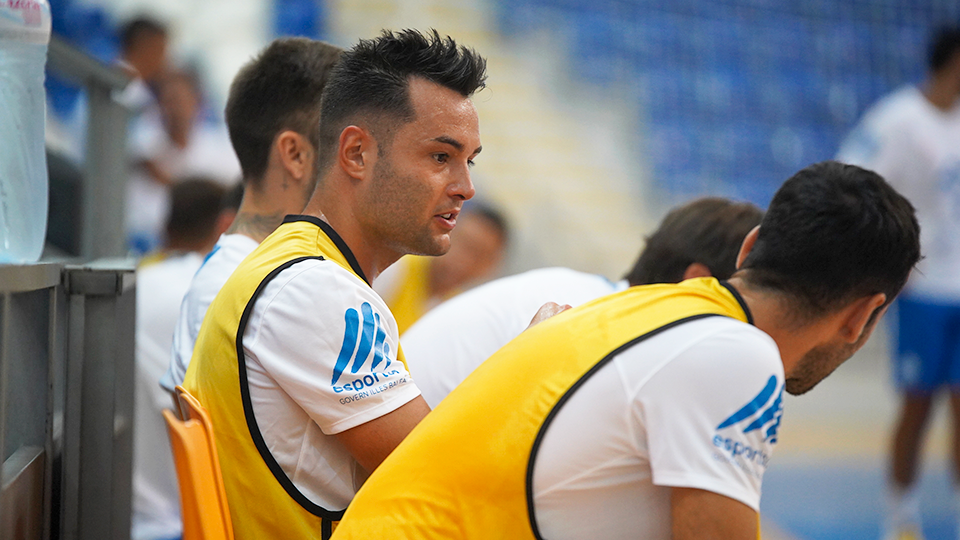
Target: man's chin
[
  {"x": 796, "y": 387},
  {"x": 439, "y": 246}
]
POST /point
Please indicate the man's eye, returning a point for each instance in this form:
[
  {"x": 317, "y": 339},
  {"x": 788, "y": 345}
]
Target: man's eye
[
  {"x": 470, "y": 163},
  {"x": 440, "y": 158}
]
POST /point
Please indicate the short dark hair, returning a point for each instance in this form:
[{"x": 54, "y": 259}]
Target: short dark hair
[
  {"x": 708, "y": 231},
  {"x": 944, "y": 46},
  {"x": 373, "y": 78},
  {"x": 834, "y": 233},
  {"x": 134, "y": 29},
  {"x": 195, "y": 204},
  {"x": 278, "y": 90}
]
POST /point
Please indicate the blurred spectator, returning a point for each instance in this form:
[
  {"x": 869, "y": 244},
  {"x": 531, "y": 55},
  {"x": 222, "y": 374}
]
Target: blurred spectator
[
  {"x": 912, "y": 138},
  {"x": 143, "y": 54},
  {"x": 699, "y": 239},
  {"x": 200, "y": 211},
  {"x": 415, "y": 284},
  {"x": 172, "y": 143}
]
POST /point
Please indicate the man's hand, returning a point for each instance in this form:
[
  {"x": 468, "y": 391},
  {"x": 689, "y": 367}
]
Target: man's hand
[
  {"x": 704, "y": 515},
  {"x": 546, "y": 311}
]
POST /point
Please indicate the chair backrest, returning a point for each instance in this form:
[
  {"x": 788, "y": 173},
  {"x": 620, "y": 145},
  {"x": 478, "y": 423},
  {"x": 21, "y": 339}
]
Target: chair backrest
[{"x": 203, "y": 500}]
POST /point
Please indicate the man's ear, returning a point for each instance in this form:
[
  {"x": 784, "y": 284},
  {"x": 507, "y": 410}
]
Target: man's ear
[
  {"x": 696, "y": 270},
  {"x": 747, "y": 245},
  {"x": 858, "y": 314},
  {"x": 356, "y": 151},
  {"x": 296, "y": 154}
]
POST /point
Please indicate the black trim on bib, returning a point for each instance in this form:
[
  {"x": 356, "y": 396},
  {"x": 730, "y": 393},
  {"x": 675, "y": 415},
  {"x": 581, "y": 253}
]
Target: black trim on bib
[
  {"x": 743, "y": 304},
  {"x": 281, "y": 477},
  {"x": 569, "y": 393},
  {"x": 337, "y": 241}
]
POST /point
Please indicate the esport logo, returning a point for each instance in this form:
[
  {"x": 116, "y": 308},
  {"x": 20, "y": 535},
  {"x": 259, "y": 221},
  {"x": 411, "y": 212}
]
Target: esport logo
[
  {"x": 364, "y": 339},
  {"x": 765, "y": 413}
]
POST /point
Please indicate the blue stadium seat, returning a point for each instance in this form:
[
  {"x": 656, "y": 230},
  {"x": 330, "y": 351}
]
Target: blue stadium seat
[
  {"x": 724, "y": 83},
  {"x": 298, "y": 18}
]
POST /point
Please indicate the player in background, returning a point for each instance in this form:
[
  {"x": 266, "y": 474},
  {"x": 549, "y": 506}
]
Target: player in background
[
  {"x": 912, "y": 138},
  {"x": 272, "y": 113},
  {"x": 652, "y": 413}
]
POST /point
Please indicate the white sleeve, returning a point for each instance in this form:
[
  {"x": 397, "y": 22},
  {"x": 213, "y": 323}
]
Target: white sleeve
[
  {"x": 330, "y": 343},
  {"x": 711, "y": 415},
  {"x": 206, "y": 283},
  {"x": 182, "y": 348}
]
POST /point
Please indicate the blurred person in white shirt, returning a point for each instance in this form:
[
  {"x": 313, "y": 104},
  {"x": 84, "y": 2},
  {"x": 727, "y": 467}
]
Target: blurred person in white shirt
[{"x": 912, "y": 139}]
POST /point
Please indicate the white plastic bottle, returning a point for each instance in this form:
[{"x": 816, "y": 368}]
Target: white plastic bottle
[{"x": 24, "y": 35}]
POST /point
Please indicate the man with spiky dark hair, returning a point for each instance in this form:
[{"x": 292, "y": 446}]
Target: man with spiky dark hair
[{"x": 298, "y": 360}]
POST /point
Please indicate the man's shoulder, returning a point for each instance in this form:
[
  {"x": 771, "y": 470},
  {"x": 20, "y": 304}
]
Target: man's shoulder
[
  {"x": 722, "y": 344},
  {"x": 219, "y": 264},
  {"x": 513, "y": 300},
  {"x": 555, "y": 284},
  {"x": 230, "y": 250},
  {"x": 325, "y": 286},
  {"x": 715, "y": 362},
  {"x": 733, "y": 334}
]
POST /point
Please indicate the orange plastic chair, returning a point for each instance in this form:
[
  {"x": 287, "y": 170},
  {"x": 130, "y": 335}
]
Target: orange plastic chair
[{"x": 203, "y": 500}]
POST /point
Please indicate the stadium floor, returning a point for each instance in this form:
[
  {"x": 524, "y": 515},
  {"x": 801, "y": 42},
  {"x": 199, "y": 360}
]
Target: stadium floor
[{"x": 826, "y": 479}]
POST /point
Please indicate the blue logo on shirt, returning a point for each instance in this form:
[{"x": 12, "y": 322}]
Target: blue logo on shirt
[
  {"x": 361, "y": 340},
  {"x": 769, "y": 412}
]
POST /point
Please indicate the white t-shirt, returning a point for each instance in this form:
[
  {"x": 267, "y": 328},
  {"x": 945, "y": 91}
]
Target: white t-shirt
[
  {"x": 156, "y": 499},
  {"x": 226, "y": 255},
  {"x": 695, "y": 406},
  {"x": 916, "y": 147},
  {"x": 451, "y": 340},
  {"x": 321, "y": 358}
]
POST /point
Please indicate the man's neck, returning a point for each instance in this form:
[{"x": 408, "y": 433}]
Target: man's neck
[
  {"x": 372, "y": 258},
  {"x": 256, "y": 224},
  {"x": 265, "y": 203},
  {"x": 775, "y": 316}
]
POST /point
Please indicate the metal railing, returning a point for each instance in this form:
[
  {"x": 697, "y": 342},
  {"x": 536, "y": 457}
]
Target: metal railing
[
  {"x": 66, "y": 400},
  {"x": 105, "y": 163}
]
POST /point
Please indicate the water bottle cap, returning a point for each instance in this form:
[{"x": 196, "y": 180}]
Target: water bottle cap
[{"x": 25, "y": 20}]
